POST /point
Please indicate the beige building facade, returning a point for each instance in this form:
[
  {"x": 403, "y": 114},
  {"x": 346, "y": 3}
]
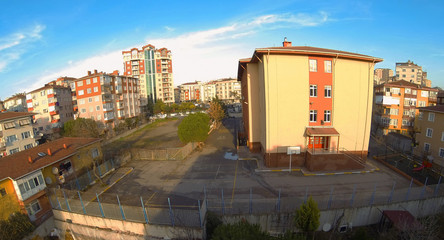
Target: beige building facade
[
  {"x": 411, "y": 72},
  {"x": 16, "y": 103},
  {"x": 430, "y": 138},
  {"x": 16, "y": 131},
  {"x": 313, "y": 102}
]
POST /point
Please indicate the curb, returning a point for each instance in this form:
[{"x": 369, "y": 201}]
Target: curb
[{"x": 339, "y": 173}]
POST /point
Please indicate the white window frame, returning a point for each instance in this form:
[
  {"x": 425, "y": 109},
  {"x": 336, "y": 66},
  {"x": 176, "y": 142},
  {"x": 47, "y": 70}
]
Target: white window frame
[
  {"x": 79, "y": 83},
  {"x": 313, "y": 90},
  {"x": 431, "y": 117},
  {"x": 441, "y": 152},
  {"x": 327, "y": 66},
  {"x": 327, "y": 115},
  {"x": 442, "y": 137},
  {"x": 327, "y": 91},
  {"x": 313, "y": 116},
  {"x": 429, "y": 130},
  {"x": 81, "y": 92},
  {"x": 313, "y": 65},
  {"x": 427, "y": 149},
  {"x": 30, "y": 210}
]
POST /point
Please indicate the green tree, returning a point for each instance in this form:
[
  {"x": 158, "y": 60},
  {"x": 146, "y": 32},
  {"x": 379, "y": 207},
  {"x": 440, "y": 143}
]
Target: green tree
[
  {"x": 81, "y": 127},
  {"x": 216, "y": 113},
  {"x": 307, "y": 217},
  {"x": 213, "y": 221},
  {"x": 168, "y": 109},
  {"x": 159, "y": 107},
  {"x": 194, "y": 128},
  {"x": 240, "y": 230},
  {"x": 17, "y": 226},
  {"x": 174, "y": 107}
]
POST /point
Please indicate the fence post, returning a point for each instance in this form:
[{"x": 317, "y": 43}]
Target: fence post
[
  {"x": 66, "y": 200},
  {"x": 81, "y": 202},
  {"x": 223, "y": 203},
  {"x": 391, "y": 193},
  {"x": 121, "y": 209},
  {"x": 408, "y": 191},
  {"x": 77, "y": 183},
  {"x": 57, "y": 198},
  {"x": 352, "y": 200},
  {"x": 100, "y": 172},
  {"x": 437, "y": 186},
  {"x": 206, "y": 199},
  {"x": 279, "y": 201},
  {"x": 372, "y": 198},
  {"x": 330, "y": 199},
  {"x": 306, "y": 194},
  {"x": 200, "y": 214},
  {"x": 89, "y": 175},
  {"x": 250, "y": 209},
  {"x": 106, "y": 166},
  {"x": 112, "y": 162},
  {"x": 144, "y": 211},
  {"x": 171, "y": 213},
  {"x": 100, "y": 205},
  {"x": 424, "y": 188}
]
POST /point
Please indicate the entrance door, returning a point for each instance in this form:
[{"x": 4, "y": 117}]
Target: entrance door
[{"x": 316, "y": 142}]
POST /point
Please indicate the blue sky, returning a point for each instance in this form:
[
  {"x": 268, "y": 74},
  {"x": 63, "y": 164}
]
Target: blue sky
[{"x": 42, "y": 40}]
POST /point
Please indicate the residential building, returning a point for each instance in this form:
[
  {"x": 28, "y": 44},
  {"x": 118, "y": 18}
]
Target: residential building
[
  {"x": 69, "y": 82},
  {"x": 107, "y": 97},
  {"x": 191, "y": 91},
  {"x": 382, "y": 75},
  {"x": 209, "y": 91},
  {"x": 314, "y": 103},
  {"x": 396, "y": 106},
  {"x": 16, "y": 103},
  {"x": 25, "y": 175},
  {"x": 153, "y": 68},
  {"x": 176, "y": 95},
  {"x": 2, "y": 106},
  {"x": 226, "y": 89},
  {"x": 16, "y": 132},
  {"x": 430, "y": 138},
  {"x": 411, "y": 72},
  {"x": 440, "y": 99},
  {"x": 53, "y": 105}
]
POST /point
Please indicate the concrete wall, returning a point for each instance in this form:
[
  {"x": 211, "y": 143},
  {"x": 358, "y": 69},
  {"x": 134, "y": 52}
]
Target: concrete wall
[{"x": 103, "y": 228}]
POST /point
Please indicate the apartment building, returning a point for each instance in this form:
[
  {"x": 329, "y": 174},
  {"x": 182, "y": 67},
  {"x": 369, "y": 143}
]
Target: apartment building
[
  {"x": 68, "y": 82},
  {"x": 16, "y": 103},
  {"x": 153, "y": 68},
  {"x": 107, "y": 97},
  {"x": 176, "y": 95},
  {"x": 16, "y": 132},
  {"x": 53, "y": 107},
  {"x": 209, "y": 91},
  {"x": 25, "y": 175},
  {"x": 396, "y": 106},
  {"x": 411, "y": 72},
  {"x": 440, "y": 100},
  {"x": 191, "y": 91},
  {"x": 311, "y": 105},
  {"x": 430, "y": 138},
  {"x": 382, "y": 75}
]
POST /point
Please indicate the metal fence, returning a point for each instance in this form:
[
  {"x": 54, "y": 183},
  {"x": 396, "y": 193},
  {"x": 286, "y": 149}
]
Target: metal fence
[{"x": 163, "y": 154}]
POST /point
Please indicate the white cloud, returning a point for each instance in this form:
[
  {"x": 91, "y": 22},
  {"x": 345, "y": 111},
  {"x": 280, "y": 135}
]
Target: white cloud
[
  {"x": 16, "y": 44},
  {"x": 201, "y": 55}
]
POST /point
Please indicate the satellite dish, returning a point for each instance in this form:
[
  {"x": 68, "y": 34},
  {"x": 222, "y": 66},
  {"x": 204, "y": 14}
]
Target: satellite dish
[
  {"x": 48, "y": 180},
  {"x": 55, "y": 170},
  {"x": 326, "y": 227}
]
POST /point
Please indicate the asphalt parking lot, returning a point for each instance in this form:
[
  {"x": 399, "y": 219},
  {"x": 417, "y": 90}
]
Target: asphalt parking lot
[{"x": 212, "y": 168}]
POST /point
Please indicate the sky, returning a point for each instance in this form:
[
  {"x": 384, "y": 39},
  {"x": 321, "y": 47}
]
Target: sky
[{"x": 43, "y": 40}]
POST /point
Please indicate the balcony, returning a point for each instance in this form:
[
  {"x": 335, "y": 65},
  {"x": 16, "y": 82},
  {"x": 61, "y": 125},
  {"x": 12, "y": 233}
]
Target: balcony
[
  {"x": 53, "y": 113},
  {"x": 108, "y": 118},
  {"x": 433, "y": 99},
  {"x": 51, "y": 95}
]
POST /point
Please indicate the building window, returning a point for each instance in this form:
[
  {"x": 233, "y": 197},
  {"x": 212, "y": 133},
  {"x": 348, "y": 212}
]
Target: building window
[
  {"x": 327, "y": 115},
  {"x": 313, "y": 91},
  {"x": 431, "y": 117},
  {"x": 14, "y": 150},
  {"x": 26, "y": 135},
  {"x": 426, "y": 147},
  {"x": 25, "y": 122},
  {"x": 98, "y": 108},
  {"x": 28, "y": 146},
  {"x": 327, "y": 91},
  {"x": 88, "y": 81},
  {"x": 2, "y": 192},
  {"x": 313, "y": 65},
  {"x": 96, "y": 89},
  {"x": 79, "y": 83},
  {"x": 327, "y": 66},
  {"x": 91, "y": 109},
  {"x": 442, "y": 137},
  {"x": 94, "y": 153},
  {"x": 313, "y": 115},
  {"x": 420, "y": 115},
  {"x": 96, "y": 98},
  {"x": 429, "y": 132},
  {"x": 83, "y": 110},
  {"x": 81, "y": 92},
  {"x": 11, "y": 138},
  {"x": 81, "y": 101},
  {"x": 441, "y": 152},
  {"x": 33, "y": 208},
  {"x": 90, "y": 100},
  {"x": 9, "y": 125},
  {"x": 88, "y": 90}
]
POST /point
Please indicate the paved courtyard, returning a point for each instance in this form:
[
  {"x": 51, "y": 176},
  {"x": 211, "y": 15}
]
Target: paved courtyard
[{"x": 212, "y": 168}]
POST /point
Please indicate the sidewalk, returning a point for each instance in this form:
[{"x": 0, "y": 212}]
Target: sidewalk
[{"x": 244, "y": 154}]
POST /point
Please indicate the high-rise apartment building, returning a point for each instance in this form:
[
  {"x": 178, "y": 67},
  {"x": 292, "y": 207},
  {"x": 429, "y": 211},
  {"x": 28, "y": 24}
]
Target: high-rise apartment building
[
  {"x": 310, "y": 105},
  {"x": 411, "y": 72},
  {"x": 382, "y": 75},
  {"x": 396, "y": 106},
  {"x": 52, "y": 105},
  {"x": 107, "y": 97},
  {"x": 16, "y": 132},
  {"x": 153, "y": 68}
]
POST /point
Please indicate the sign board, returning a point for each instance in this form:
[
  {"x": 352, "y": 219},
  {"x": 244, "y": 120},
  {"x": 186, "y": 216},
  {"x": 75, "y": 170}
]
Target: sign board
[{"x": 293, "y": 150}]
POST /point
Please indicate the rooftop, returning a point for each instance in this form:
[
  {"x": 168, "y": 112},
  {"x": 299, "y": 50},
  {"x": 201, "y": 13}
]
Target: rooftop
[
  {"x": 437, "y": 108},
  {"x": 11, "y": 115},
  {"x": 18, "y": 164}
]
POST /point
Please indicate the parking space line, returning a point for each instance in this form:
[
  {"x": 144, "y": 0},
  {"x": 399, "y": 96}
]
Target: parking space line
[
  {"x": 234, "y": 182},
  {"x": 150, "y": 198}
]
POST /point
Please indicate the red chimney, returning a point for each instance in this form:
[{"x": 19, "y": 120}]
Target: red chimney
[
  {"x": 89, "y": 73},
  {"x": 29, "y": 159},
  {"x": 49, "y": 151},
  {"x": 64, "y": 146},
  {"x": 95, "y": 71},
  {"x": 286, "y": 43}
]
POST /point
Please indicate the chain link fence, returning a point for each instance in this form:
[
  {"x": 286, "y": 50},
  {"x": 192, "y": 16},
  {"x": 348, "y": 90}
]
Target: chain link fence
[{"x": 163, "y": 154}]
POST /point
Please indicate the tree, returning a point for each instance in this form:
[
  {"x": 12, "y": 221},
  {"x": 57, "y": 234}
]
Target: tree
[
  {"x": 194, "y": 128},
  {"x": 159, "y": 107},
  {"x": 81, "y": 127},
  {"x": 307, "y": 217},
  {"x": 216, "y": 113},
  {"x": 240, "y": 230},
  {"x": 17, "y": 226}
]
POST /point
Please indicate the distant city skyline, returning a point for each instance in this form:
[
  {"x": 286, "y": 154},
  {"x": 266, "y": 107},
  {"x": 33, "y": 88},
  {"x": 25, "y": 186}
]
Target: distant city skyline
[{"x": 42, "y": 41}]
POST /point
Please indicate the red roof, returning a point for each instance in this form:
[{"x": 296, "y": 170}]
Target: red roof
[
  {"x": 17, "y": 165},
  {"x": 11, "y": 115},
  {"x": 437, "y": 108},
  {"x": 325, "y": 131}
]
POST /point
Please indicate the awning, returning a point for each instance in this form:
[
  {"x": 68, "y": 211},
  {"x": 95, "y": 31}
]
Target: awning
[{"x": 323, "y": 131}]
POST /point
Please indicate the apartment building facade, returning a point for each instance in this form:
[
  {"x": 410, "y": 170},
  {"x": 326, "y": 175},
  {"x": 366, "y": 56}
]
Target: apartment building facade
[
  {"x": 382, "y": 75},
  {"x": 191, "y": 91},
  {"x": 430, "y": 138},
  {"x": 53, "y": 107},
  {"x": 153, "y": 68},
  {"x": 16, "y": 132},
  {"x": 26, "y": 175},
  {"x": 297, "y": 100},
  {"x": 411, "y": 72},
  {"x": 396, "y": 106},
  {"x": 107, "y": 97},
  {"x": 16, "y": 103}
]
